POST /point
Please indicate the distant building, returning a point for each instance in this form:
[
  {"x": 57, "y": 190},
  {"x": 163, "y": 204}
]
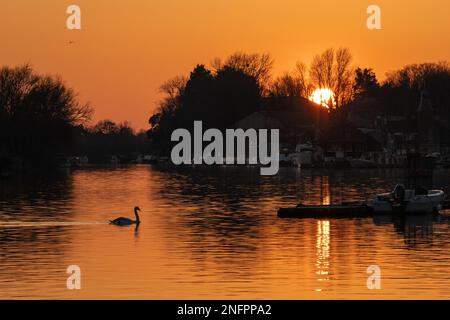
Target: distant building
[
  {"x": 404, "y": 125},
  {"x": 298, "y": 119},
  {"x": 376, "y": 130},
  {"x": 344, "y": 143}
]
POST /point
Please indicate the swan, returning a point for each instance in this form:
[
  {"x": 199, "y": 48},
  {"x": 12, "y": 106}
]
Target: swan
[{"x": 126, "y": 221}]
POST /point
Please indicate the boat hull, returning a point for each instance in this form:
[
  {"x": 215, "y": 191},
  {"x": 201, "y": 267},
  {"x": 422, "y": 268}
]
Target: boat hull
[{"x": 421, "y": 204}]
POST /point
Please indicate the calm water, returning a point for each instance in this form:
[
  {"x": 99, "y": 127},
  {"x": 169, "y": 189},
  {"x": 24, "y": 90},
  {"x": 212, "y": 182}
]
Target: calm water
[{"x": 213, "y": 233}]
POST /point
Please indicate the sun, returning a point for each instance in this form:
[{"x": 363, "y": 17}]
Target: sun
[{"x": 324, "y": 97}]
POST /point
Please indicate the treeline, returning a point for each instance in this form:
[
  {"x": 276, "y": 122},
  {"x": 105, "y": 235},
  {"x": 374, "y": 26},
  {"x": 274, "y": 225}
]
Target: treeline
[
  {"x": 218, "y": 96},
  {"x": 225, "y": 92},
  {"x": 38, "y": 115},
  {"x": 41, "y": 119},
  {"x": 42, "y": 122},
  {"x": 412, "y": 82},
  {"x": 107, "y": 139}
]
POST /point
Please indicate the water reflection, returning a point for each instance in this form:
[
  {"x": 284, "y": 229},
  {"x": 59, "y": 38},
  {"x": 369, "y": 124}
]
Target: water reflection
[
  {"x": 323, "y": 250},
  {"x": 416, "y": 230},
  {"x": 212, "y": 233}
]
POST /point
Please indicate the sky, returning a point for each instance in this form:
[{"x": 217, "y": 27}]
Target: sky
[{"x": 127, "y": 48}]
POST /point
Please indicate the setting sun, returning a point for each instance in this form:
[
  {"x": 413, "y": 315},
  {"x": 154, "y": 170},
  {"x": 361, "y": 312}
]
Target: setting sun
[{"x": 323, "y": 96}]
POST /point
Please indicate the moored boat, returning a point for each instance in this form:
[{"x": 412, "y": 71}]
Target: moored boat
[{"x": 408, "y": 201}]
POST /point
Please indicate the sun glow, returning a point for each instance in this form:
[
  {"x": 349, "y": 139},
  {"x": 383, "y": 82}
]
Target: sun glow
[{"x": 324, "y": 97}]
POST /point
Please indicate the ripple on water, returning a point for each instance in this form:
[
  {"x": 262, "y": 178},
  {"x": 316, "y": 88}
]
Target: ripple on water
[{"x": 213, "y": 233}]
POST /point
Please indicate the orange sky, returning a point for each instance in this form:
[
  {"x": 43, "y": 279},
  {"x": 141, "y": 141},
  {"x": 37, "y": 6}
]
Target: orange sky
[{"x": 127, "y": 48}]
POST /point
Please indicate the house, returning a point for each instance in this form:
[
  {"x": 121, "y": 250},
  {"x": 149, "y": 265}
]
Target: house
[
  {"x": 343, "y": 144},
  {"x": 406, "y": 125},
  {"x": 298, "y": 119}
]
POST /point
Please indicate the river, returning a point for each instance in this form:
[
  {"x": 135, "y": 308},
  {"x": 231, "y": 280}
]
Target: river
[{"x": 213, "y": 233}]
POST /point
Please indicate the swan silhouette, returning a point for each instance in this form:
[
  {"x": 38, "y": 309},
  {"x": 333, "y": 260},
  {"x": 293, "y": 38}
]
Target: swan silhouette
[{"x": 126, "y": 221}]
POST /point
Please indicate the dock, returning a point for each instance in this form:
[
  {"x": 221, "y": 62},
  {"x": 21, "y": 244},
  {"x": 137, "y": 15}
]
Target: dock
[
  {"x": 327, "y": 211},
  {"x": 345, "y": 210}
]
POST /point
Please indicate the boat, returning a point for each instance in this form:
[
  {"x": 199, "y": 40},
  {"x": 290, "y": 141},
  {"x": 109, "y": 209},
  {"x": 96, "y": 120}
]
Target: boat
[
  {"x": 400, "y": 202},
  {"x": 408, "y": 201}
]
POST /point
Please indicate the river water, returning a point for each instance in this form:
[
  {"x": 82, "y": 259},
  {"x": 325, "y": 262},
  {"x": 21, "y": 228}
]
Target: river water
[{"x": 213, "y": 233}]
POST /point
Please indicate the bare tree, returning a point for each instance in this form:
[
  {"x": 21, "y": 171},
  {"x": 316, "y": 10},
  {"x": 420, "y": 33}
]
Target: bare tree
[
  {"x": 285, "y": 86},
  {"x": 302, "y": 79},
  {"x": 292, "y": 84},
  {"x": 25, "y": 93},
  {"x": 258, "y": 66},
  {"x": 419, "y": 76},
  {"x": 173, "y": 91},
  {"x": 38, "y": 113},
  {"x": 105, "y": 127},
  {"x": 321, "y": 70},
  {"x": 173, "y": 88},
  {"x": 333, "y": 70},
  {"x": 343, "y": 77}
]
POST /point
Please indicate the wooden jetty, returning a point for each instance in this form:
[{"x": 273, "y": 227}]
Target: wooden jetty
[
  {"x": 327, "y": 211},
  {"x": 344, "y": 210}
]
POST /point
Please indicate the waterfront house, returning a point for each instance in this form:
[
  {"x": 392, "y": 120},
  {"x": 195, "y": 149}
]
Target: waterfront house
[
  {"x": 344, "y": 144},
  {"x": 298, "y": 119}
]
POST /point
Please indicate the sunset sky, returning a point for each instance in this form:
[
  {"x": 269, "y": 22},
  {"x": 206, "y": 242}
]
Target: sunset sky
[{"x": 127, "y": 48}]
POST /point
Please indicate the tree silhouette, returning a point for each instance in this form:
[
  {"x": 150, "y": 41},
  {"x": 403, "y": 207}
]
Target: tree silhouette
[
  {"x": 332, "y": 69},
  {"x": 218, "y": 98},
  {"x": 237, "y": 95},
  {"x": 235, "y": 88},
  {"x": 432, "y": 79},
  {"x": 258, "y": 66},
  {"x": 107, "y": 138},
  {"x": 292, "y": 84},
  {"x": 37, "y": 114},
  {"x": 365, "y": 83}
]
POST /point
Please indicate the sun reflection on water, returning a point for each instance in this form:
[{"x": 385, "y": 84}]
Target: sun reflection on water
[{"x": 323, "y": 250}]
